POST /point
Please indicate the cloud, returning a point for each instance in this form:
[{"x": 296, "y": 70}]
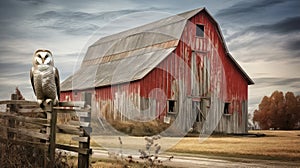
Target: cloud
[
  {"x": 34, "y": 2},
  {"x": 79, "y": 23},
  {"x": 11, "y": 56},
  {"x": 259, "y": 18},
  {"x": 269, "y": 42},
  {"x": 247, "y": 11},
  {"x": 72, "y": 23},
  {"x": 13, "y": 68},
  {"x": 282, "y": 27},
  {"x": 245, "y": 8},
  {"x": 288, "y": 25},
  {"x": 66, "y": 63},
  {"x": 293, "y": 45},
  {"x": 274, "y": 81}
]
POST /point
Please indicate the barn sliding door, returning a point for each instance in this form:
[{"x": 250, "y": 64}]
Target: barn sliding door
[{"x": 200, "y": 87}]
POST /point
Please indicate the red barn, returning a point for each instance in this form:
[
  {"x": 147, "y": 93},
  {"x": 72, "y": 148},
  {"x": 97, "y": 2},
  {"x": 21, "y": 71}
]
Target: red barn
[{"x": 176, "y": 69}]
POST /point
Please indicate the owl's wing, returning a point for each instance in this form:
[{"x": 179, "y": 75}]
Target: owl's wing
[
  {"x": 57, "y": 82},
  {"x": 32, "y": 80}
]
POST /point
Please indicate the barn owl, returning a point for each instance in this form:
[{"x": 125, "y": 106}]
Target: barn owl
[{"x": 45, "y": 77}]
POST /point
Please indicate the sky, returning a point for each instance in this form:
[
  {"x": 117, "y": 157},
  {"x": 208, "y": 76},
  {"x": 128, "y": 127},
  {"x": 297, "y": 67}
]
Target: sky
[{"x": 262, "y": 35}]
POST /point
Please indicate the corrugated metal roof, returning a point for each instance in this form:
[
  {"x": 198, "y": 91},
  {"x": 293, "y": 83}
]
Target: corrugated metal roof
[
  {"x": 132, "y": 53},
  {"x": 118, "y": 71},
  {"x": 133, "y": 42},
  {"x": 167, "y": 26}
]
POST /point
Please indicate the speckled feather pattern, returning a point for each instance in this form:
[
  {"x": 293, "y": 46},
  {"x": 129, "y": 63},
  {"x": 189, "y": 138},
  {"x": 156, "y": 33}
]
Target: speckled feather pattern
[{"x": 44, "y": 83}]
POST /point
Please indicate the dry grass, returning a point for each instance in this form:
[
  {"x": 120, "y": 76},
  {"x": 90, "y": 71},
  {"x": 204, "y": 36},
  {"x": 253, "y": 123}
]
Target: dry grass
[
  {"x": 117, "y": 163},
  {"x": 67, "y": 140},
  {"x": 12, "y": 155},
  {"x": 280, "y": 145},
  {"x": 100, "y": 163},
  {"x": 134, "y": 128}
]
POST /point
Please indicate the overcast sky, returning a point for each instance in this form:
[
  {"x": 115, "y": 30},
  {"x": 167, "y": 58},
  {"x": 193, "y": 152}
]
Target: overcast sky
[{"x": 263, "y": 36}]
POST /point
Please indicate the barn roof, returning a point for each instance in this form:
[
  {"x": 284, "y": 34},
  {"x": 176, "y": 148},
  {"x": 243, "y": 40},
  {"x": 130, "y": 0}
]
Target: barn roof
[{"x": 131, "y": 54}]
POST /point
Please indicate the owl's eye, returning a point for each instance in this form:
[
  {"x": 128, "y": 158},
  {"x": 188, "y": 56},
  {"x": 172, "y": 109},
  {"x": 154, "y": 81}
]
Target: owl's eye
[
  {"x": 39, "y": 60},
  {"x": 39, "y": 56},
  {"x": 47, "y": 59}
]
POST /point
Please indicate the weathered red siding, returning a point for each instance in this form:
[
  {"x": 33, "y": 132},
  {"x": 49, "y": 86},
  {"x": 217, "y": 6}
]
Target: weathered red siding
[{"x": 237, "y": 85}]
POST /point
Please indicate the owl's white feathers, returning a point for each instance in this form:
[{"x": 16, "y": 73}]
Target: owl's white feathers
[{"x": 45, "y": 77}]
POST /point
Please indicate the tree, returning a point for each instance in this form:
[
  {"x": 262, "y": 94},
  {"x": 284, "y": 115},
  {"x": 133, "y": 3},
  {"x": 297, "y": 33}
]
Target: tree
[{"x": 278, "y": 111}]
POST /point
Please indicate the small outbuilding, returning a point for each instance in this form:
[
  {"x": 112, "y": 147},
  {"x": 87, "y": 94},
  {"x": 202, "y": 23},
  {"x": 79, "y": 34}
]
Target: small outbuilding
[{"x": 177, "y": 70}]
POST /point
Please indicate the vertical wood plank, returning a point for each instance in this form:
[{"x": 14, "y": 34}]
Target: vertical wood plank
[
  {"x": 83, "y": 160},
  {"x": 12, "y": 122},
  {"x": 52, "y": 132}
]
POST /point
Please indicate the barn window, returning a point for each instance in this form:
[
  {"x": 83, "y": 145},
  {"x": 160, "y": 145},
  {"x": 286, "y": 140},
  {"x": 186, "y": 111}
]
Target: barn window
[
  {"x": 200, "y": 30},
  {"x": 171, "y": 106},
  {"x": 226, "y": 108}
]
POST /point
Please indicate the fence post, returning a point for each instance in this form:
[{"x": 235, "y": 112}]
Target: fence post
[
  {"x": 51, "y": 114},
  {"x": 12, "y": 122},
  {"x": 83, "y": 159}
]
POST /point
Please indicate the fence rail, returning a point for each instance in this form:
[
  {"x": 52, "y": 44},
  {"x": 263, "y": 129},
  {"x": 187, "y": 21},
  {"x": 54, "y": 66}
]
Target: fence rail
[{"x": 25, "y": 123}]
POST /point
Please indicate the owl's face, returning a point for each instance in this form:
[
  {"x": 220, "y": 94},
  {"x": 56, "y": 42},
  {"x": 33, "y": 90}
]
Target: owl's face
[{"x": 43, "y": 58}]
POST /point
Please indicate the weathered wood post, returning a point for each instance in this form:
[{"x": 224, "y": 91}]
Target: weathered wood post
[
  {"x": 83, "y": 159},
  {"x": 52, "y": 115},
  {"x": 12, "y": 122}
]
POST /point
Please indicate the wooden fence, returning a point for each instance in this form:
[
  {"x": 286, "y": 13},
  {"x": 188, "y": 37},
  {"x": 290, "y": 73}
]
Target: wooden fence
[{"x": 25, "y": 123}]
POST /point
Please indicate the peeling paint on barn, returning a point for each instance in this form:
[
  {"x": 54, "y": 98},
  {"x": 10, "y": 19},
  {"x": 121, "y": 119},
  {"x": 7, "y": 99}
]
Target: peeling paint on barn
[{"x": 177, "y": 70}]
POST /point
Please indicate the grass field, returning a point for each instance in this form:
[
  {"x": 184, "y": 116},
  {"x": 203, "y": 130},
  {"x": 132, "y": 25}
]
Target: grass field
[{"x": 276, "y": 145}]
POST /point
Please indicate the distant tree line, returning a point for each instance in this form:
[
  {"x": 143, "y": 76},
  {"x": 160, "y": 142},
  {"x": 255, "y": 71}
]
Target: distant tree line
[{"x": 279, "y": 111}]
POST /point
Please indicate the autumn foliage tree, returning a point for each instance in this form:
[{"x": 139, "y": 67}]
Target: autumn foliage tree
[{"x": 278, "y": 111}]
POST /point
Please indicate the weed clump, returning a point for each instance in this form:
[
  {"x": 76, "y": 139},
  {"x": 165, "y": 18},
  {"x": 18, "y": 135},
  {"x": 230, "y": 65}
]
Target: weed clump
[{"x": 148, "y": 156}]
